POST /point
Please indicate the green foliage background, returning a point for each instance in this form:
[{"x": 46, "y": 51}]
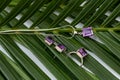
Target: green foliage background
[{"x": 46, "y": 14}]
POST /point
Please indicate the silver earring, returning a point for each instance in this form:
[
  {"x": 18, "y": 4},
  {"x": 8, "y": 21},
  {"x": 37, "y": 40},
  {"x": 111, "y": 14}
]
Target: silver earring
[
  {"x": 60, "y": 48},
  {"x": 49, "y": 40}
]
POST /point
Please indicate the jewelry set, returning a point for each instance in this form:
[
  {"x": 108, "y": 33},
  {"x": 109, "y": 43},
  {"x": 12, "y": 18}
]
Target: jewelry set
[{"x": 81, "y": 52}]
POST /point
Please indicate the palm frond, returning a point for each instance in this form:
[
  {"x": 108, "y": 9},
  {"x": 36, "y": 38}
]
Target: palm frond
[{"x": 102, "y": 62}]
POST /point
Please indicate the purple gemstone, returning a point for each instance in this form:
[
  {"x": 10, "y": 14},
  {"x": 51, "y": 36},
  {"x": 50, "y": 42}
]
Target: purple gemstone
[
  {"x": 60, "y": 48},
  {"x": 82, "y": 52},
  {"x": 49, "y": 40},
  {"x": 87, "y": 32}
]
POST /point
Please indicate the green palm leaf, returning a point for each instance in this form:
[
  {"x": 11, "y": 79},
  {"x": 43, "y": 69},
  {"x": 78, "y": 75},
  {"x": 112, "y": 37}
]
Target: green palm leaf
[{"x": 24, "y": 24}]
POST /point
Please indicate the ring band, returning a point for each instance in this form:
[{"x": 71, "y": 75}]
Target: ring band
[{"x": 74, "y": 52}]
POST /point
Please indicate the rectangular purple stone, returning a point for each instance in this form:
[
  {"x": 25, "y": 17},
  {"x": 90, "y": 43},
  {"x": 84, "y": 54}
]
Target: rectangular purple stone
[
  {"x": 60, "y": 48},
  {"x": 82, "y": 52},
  {"x": 87, "y": 32},
  {"x": 49, "y": 40}
]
